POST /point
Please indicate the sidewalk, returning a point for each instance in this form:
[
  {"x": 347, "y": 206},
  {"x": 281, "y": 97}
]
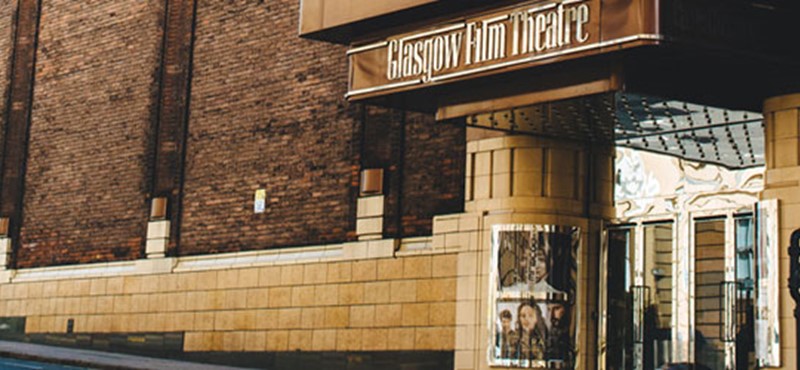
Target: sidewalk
[{"x": 95, "y": 359}]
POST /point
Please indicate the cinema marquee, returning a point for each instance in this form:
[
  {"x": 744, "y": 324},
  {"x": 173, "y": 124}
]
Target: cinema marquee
[{"x": 530, "y": 34}]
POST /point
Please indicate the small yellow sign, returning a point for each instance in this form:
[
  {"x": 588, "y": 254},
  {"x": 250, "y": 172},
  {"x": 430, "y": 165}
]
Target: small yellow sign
[{"x": 260, "y": 203}]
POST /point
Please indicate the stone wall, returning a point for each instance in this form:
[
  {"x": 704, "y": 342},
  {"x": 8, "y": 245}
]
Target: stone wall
[{"x": 339, "y": 304}]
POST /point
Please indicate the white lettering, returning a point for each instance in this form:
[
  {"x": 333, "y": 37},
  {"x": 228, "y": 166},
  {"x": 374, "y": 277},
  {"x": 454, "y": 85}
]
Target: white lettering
[
  {"x": 583, "y": 18},
  {"x": 541, "y": 26},
  {"x": 407, "y": 51},
  {"x": 516, "y": 32},
  {"x": 496, "y": 41},
  {"x": 522, "y": 32},
  {"x": 454, "y": 50},
  {"x": 471, "y": 44},
  {"x": 392, "y": 64}
]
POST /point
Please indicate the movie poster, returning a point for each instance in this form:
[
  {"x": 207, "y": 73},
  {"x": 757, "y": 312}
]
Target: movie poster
[{"x": 534, "y": 275}]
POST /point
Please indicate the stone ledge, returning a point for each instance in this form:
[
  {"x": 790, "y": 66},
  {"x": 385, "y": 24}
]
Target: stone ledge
[{"x": 373, "y": 249}]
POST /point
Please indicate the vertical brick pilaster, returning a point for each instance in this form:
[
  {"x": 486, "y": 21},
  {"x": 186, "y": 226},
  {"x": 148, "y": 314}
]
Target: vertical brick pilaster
[
  {"x": 423, "y": 164},
  {"x": 382, "y": 148},
  {"x": 18, "y": 116},
  {"x": 173, "y": 109}
]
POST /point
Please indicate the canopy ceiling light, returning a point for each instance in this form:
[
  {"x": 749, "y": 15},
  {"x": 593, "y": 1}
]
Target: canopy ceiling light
[{"x": 731, "y": 138}]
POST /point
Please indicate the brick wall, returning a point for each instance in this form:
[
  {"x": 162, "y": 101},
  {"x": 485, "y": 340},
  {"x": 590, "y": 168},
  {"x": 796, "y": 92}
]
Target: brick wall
[
  {"x": 267, "y": 111},
  {"x": 424, "y": 167},
  {"x": 7, "y": 13},
  {"x": 383, "y": 133},
  {"x": 85, "y": 195},
  {"x": 433, "y": 175}
]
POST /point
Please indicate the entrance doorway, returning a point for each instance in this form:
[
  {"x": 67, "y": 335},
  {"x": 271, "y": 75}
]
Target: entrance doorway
[{"x": 649, "y": 265}]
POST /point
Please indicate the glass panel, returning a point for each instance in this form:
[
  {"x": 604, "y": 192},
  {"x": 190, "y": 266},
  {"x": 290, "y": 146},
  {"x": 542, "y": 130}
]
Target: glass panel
[
  {"x": 745, "y": 295},
  {"x": 710, "y": 293},
  {"x": 534, "y": 279},
  {"x": 767, "y": 332},
  {"x": 657, "y": 284},
  {"x": 619, "y": 306}
]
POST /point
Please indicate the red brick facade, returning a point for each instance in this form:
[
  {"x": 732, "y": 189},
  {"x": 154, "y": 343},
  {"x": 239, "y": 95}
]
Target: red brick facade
[
  {"x": 7, "y": 10},
  {"x": 265, "y": 110},
  {"x": 85, "y": 190},
  {"x": 433, "y": 179}
]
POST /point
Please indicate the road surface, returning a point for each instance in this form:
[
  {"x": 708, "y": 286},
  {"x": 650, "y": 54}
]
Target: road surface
[{"x": 14, "y": 364}]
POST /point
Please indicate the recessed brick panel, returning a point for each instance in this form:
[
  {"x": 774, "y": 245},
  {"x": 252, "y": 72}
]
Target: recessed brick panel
[
  {"x": 424, "y": 174},
  {"x": 88, "y": 168},
  {"x": 434, "y": 165},
  {"x": 267, "y": 111}
]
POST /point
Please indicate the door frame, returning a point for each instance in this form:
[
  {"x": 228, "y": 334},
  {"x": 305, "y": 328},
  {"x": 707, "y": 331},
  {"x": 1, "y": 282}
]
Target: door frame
[{"x": 683, "y": 273}]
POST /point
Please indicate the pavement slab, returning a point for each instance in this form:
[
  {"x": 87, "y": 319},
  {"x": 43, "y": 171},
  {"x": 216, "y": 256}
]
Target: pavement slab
[{"x": 97, "y": 359}]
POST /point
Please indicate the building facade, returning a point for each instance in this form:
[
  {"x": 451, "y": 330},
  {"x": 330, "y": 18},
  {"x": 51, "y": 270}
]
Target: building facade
[{"x": 405, "y": 184}]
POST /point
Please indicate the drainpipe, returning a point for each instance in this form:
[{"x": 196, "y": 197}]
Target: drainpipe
[{"x": 794, "y": 280}]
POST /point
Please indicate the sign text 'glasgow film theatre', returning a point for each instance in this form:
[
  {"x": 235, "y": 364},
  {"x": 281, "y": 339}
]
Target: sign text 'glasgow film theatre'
[{"x": 522, "y": 32}]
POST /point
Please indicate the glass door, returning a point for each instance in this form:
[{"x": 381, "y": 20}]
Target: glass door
[
  {"x": 711, "y": 294},
  {"x": 724, "y": 293},
  {"x": 640, "y": 317},
  {"x": 657, "y": 288},
  {"x": 638, "y": 289},
  {"x": 619, "y": 299},
  {"x": 744, "y": 356}
]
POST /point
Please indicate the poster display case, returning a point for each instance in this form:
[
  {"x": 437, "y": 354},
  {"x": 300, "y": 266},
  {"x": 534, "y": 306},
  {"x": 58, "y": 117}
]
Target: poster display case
[{"x": 533, "y": 287}]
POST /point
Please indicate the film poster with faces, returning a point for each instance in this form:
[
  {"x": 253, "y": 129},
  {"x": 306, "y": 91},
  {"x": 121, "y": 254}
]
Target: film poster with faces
[{"x": 534, "y": 275}]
